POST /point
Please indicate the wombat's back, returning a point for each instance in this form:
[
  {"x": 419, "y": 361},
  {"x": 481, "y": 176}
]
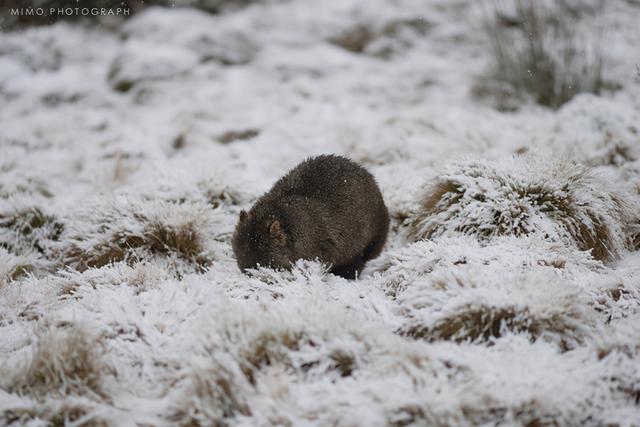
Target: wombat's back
[
  {"x": 329, "y": 178},
  {"x": 348, "y": 203}
]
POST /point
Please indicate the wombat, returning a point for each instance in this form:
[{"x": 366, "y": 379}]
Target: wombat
[{"x": 327, "y": 208}]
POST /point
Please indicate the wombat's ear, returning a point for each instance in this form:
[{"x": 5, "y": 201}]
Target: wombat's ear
[
  {"x": 277, "y": 233},
  {"x": 243, "y": 216}
]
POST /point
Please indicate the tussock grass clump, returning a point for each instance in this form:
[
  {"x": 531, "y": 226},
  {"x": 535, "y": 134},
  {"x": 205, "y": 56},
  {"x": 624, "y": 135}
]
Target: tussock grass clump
[
  {"x": 217, "y": 384},
  {"x": 218, "y": 194},
  {"x": 597, "y": 133},
  {"x": 237, "y": 135},
  {"x": 298, "y": 350},
  {"x": 481, "y": 323},
  {"x": 617, "y": 346},
  {"x": 401, "y": 268},
  {"x": 211, "y": 394},
  {"x": 121, "y": 247},
  {"x": 479, "y": 308},
  {"x": 64, "y": 362},
  {"x": 62, "y": 381},
  {"x": 18, "y": 186},
  {"x": 382, "y": 40},
  {"x": 270, "y": 348},
  {"x": 14, "y": 267},
  {"x": 410, "y": 415},
  {"x": 616, "y": 299},
  {"x": 490, "y": 412},
  {"x": 132, "y": 232},
  {"x": 531, "y": 413},
  {"x": 355, "y": 39},
  {"x": 527, "y": 195},
  {"x": 619, "y": 339},
  {"x": 25, "y": 229},
  {"x": 635, "y": 236},
  {"x": 142, "y": 276},
  {"x": 343, "y": 361},
  {"x": 538, "y": 50},
  {"x": 183, "y": 240},
  {"x": 76, "y": 411},
  {"x": 244, "y": 347}
]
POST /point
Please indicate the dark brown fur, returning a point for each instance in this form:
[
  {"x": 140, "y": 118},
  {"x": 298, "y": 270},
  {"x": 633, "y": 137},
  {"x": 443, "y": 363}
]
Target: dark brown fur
[{"x": 327, "y": 208}]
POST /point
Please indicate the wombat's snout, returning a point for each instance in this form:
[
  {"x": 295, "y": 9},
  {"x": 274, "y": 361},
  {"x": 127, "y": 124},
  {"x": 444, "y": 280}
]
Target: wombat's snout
[{"x": 260, "y": 242}]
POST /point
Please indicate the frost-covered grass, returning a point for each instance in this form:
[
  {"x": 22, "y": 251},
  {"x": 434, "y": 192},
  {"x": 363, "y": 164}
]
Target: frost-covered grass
[
  {"x": 121, "y": 230},
  {"x": 527, "y": 195},
  {"x": 508, "y": 292},
  {"x": 63, "y": 378},
  {"x": 539, "y": 51}
]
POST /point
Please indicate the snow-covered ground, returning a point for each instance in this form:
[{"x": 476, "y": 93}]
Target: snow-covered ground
[{"x": 127, "y": 154}]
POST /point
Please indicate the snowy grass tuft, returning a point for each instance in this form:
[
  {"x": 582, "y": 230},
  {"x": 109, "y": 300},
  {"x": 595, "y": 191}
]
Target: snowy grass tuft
[
  {"x": 63, "y": 362},
  {"x": 131, "y": 231},
  {"x": 14, "y": 267},
  {"x": 538, "y": 51},
  {"x": 27, "y": 228},
  {"x": 482, "y": 323},
  {"x": 476, "y": 308},
  {"x": 63, "y": 379},
  {"x": 383, "y": 40},
  {"x": 210, "y": 393},
  {"x": 527, "y": 195}
]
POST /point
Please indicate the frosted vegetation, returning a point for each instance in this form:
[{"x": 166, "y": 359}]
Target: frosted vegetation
[{"x": 508, "y": 292}]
